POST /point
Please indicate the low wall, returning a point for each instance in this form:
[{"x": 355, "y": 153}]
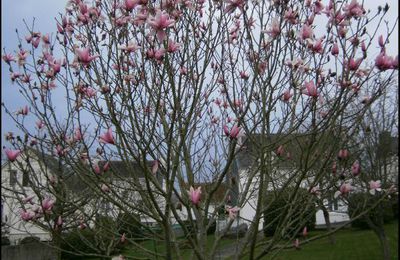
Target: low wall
[{"x": 31, "y": 251}]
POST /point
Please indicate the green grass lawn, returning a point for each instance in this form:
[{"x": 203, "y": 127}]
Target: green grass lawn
[
  {"x": 160, "y": 248},
  {"x": 351, "y": 244}
]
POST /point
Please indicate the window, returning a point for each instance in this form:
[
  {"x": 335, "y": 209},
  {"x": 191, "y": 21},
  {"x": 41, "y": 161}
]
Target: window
[
  {"x": 333, "y": 204},
  {"x": 25, "y": 179},
  {"x": 13, "y": 177}
]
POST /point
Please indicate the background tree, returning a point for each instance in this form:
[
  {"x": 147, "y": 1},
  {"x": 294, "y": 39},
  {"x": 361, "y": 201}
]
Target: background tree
[{"x": 378, "y": 156}]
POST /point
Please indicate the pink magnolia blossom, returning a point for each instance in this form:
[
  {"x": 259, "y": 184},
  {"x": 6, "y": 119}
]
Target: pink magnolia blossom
[
  {"x": 28, "y": 199},
  {"x": 90, "y": 92},
  {"x": 82, "y": 226},
  {"x": 374, "y": 186},
  {"x": 52, "y": 180},
  {"x": 129, "y": 5},
  {"x": 343, "y": 154},
  {"x": 280, "y": 150},
  {"x": 8, "y": 58},
  {"x": 33, "y": 142},
  {"x": 354, "y": 9},
  {"x": 296, "y": 243},
  {"x": 47, "y": 204},
  {"x": 55, "y": 65},
  {"x": 159, "y": 23},
  {"x": 355, "y": 168},
  {"x": 315, "y": 191},
  {"x": 334, "y": 168},
  {"x": 310, "y": 89},
  {"x": 40, "y": 124},
  {"x": 27, "y": 215},
  {"x": 234, "y": 133},
  {"x": 305, "y": 232},
  {"x": 23, "y": 111},
  {"x": 155, "y": 166},
  {"x": 195, "y": 195},
  {"x": 343, "y": 31},
  {"x": 123, "y": 238},
  {"x": 274, "y": 30},
  {"x": 173, "y": 46},
  {"x": 35, "y": 42},
  {"x": 26, "y": 78},
  {"x": 244, "y": 75},
  {"x": 84, "y": 56},
  {"x": 381, "y": 41},
  {"x": 107, "y": 137},
  {"x": 354, "y": 64},
  {"x": 232, "y": 211},
  {"x": 306, "y": 32},
  {"x": 384, "y": 62},
  {"x": 344, "y": 189},
  {"x": 46, "y": 39},
  {"x": 363, "y": 46},
  {"x": 335, "y": 49},
  {"x": 12, "y": 155},
  {"x": 231, "y": 5},
  {"x": 59, "y": 221},
  {"x": 60, "y": 151},
  {"x": 28, "y": 38},
  {"x": 78, "y": 134},
  {"x": 159, "y": 53},
  {"x": 291, "y": 16},
  {"x": 131, "y": 47},
  {"x": 317, "y": 46},
  {"x": 141, "y": 17},
  {"x": 105, "y": 188},
  {"x": 96, "y": 168},
  {"x": 286, "y": 95},
  {"x": 183, "y": 70},
  {"x": 21, "y": 56},
  {"x": 318, "y": 7},
  {"x": 106, "y": 166},
  {"x": 14, "y": 76}
]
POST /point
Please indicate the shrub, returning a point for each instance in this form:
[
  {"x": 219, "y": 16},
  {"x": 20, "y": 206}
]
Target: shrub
[
  {"x": 384, "y": 211},
  {"x": 237, "y": 231},
  {"x": 278, "y": 206},
  {"x": 5, "y": 241},
  {"x": 91, "y": 241},
  {"x": 212, "y": 228},
  {"x": 77, "y": 241},
  {"x": 130, "y": 225},
  {"x": 28, "y": 240}
]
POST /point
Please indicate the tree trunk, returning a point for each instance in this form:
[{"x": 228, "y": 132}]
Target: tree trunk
[
  {"x": 380, "y": 232},
  {"x": 384, "y": 243},
  {"x": 331, "y": 237}
]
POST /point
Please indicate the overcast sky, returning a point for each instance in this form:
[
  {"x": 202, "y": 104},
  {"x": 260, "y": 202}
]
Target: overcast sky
[{"x": 45, "y": 11}]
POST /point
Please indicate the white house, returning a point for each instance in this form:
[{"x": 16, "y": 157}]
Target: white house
[
  {"x": 246, "y": 167},
  {"x": 41, "y": 170}
]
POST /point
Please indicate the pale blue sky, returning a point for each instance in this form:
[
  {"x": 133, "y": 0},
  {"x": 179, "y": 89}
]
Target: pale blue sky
[{"x": 45, "y": 11}]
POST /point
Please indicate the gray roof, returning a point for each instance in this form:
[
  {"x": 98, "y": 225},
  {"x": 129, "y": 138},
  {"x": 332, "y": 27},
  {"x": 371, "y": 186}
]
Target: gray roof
[
  {"x": 388, "y": 145},
  {"x": 118, "y": 169},
  {"x": 294, "y": 143}
]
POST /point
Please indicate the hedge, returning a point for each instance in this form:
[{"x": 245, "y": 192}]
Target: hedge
[{"x": 278, "y": 206}]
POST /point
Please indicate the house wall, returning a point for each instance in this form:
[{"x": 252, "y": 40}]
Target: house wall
[
  {"x": 248, "y": 209},
  {"x": 17, "y": 228}
]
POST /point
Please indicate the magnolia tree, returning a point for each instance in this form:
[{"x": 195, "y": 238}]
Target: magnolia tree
[{"x": 176, "y": 90}]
